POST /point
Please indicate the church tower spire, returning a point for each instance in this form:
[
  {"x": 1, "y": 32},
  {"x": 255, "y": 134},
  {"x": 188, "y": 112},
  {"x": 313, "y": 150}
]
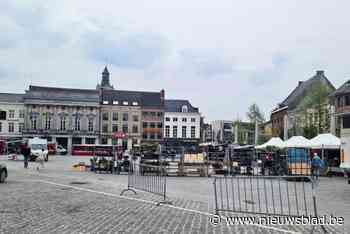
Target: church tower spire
[{"x": 105, "y": 82}]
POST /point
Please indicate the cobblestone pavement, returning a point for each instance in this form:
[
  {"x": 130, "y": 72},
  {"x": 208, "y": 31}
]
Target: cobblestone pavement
[{"x": 48, "y": 202}]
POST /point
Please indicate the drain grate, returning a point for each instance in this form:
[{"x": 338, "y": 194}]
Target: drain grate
[{"x": 79, "y": 182}]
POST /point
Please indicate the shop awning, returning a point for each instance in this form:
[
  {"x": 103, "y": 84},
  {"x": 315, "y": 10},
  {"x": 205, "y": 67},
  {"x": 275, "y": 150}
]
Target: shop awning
[
  {"x": 273, "y": 142},
  {"x": 325, "y": 141}
]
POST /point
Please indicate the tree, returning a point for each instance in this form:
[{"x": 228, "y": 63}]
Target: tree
[
  {"x": 316, "y": 99},
  {"x": 254, "y": 113}
]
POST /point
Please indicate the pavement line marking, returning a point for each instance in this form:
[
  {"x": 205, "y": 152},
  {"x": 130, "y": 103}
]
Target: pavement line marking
[{"x": 153, "y": 203}]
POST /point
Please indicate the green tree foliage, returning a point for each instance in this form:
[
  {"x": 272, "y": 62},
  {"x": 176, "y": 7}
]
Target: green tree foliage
[
  {"x": 254, "y": 113},
  {"x": 316, "y": 99}
]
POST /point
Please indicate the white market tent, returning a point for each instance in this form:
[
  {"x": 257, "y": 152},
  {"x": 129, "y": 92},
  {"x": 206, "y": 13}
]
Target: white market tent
[
  {"x": 325, "y": 141},
  {"x": 297, "y": 142},
  {"x": 273, "y": 142}
]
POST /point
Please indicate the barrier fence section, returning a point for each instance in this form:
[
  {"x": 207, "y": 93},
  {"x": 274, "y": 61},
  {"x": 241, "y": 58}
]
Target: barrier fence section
[
  {"x": 292, "y": 196},
  {"x": 148, "y": 178}
]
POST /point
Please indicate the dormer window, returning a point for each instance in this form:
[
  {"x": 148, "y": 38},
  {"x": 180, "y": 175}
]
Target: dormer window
[
  {"x": 115, "y": 102},
  {"x": 125, "y": 103},
  {"x": 135, "y": 103},
  {"x": 184, "y": 109},
  {"x": 105, "y": 102}
]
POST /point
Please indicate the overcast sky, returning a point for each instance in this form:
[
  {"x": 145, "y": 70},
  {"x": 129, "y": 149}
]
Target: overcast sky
[{"x": 221, "y": 55}]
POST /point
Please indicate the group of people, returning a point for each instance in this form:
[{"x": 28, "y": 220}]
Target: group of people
[{"x": 25, "y": 151}]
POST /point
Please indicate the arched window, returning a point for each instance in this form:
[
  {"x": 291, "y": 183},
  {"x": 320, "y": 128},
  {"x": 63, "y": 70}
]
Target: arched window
[{"x": 184, "y": 109}]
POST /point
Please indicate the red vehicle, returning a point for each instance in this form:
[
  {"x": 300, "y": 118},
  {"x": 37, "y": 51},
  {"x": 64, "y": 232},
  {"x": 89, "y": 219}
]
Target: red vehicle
[
  {"x": 92, "y": 150},
  {"x": 2, "y": 147},
  {"x": 51, "y": 148}
]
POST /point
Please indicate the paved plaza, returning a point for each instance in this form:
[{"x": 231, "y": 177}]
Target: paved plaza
[{"x": 60, "y": 200}]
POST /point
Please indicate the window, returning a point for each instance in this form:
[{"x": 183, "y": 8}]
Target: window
[
  {"x": 33, "y": 123},
  {"x": 135, "y": 118},
  {"x": 193, "y": 120},
  {"x": 167, "y": 119},
  {"x": 159, "y": 114},
  {"x": 135, "y": 129},
  {"x": 104, "y": 141},
  {"x": 152, "y": 136},
  {"x": 144, "y": 135},
  {"x": 105, "y": 116},
  {"x": 152, "y": 125},
  {"x": 105, "y": 102},
  {"x": 144, "y": 124},
  {"x": 125, "y": 103},
  {"x": 115, "y": 116},
  {"x": 167, "y": 131},
  {"x": 105, "y": 128},
  {"x": 347, "y": 100},
  {"x": 125, "y": 116},
  {"x": 11, "y": 114},
  {"x": 90, "y": 125},
  {"x": 21, "y": 114},
  {"x": 115, "y": 128},
  {"x": 153, "y": 114},
  {"x": 183, "y": 134},
  {"x": 0, "y": 127},
  {"x": 193, "y": 132},
  {"x": 2, "y": 115},
  {"x": 184, "y": 109},
  {"x": 184, "y": 119},
  {"x": 47, "y": 122},
  {"x": 63, "y": 123},
  {"x": 125, "y": 128},
  {"x": 159, "y": 136},
  {"x": 77, "y": 124},
  {"x": 175, "y": 131},
  {"x": 90, "y": 141},
  {"x": 20, "y": 127},
  {"x": 174, "y": 119},
  {"x": 115, "y": 102},
  {"x": 11, "y": 127},
  {"x": 159, "y": 125},
  {"x": 144, "y": 113},
  {"x": 135, "y": 103}
]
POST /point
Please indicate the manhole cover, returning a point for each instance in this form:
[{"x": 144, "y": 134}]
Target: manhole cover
[{"x": 78, "y": 182}]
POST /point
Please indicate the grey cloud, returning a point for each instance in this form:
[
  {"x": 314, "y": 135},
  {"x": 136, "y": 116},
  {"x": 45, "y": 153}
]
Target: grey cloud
[{"x": 127, "y": 50}]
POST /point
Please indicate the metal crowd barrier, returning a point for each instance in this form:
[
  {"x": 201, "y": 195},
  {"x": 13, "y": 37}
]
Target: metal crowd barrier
[
  {"x": 148, "y": 178},
  {"x": 292, "y": 196}
]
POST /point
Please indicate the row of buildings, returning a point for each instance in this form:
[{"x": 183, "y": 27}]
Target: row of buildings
[
  {"x": 314, "y": 106},
  {"x": 95, "y": 116}
]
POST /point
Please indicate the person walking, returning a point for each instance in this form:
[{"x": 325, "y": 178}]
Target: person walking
[
  {"x": 316, "y": 165},
  {"x": 26, "y": 155},
  {"x": 40, "y": 159}
]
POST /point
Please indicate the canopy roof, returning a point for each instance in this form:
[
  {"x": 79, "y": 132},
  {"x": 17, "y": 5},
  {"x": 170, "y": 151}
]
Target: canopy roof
[
  {"x": 273, "y": 142},
  {"x": 326, "y": 141},
  {"x": 297, "y": 142}
]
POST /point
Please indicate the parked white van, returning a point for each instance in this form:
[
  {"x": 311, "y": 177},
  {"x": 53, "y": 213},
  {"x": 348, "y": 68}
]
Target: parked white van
[{"x": 38, "y": 146}]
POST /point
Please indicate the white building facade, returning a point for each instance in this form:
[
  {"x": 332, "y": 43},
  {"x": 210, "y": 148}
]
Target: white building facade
[
  {"x": 11, "y": 115},
  {"x": 181, "y": 121}
]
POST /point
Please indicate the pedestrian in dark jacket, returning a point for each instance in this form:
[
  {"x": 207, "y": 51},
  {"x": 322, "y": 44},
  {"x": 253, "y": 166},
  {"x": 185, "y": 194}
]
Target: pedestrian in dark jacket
[
  {"x": 316, "y": 165},
  {"x": 26, "y": 154}
]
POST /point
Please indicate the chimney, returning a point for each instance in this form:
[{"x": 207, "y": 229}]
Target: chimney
[
  {"x": 300, "y": 82},
  {"x": 162, "y": 96},
  {"x": 319, "y": 73}
]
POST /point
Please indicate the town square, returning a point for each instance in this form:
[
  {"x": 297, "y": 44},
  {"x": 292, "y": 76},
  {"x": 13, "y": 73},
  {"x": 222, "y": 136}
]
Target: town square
[{"x": 174, "y": 117}]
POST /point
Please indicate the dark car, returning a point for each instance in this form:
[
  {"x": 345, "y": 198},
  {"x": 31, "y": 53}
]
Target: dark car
[{"x": 3, "y": 173}]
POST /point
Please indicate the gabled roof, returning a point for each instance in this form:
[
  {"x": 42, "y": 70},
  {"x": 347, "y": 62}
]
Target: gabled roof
[
  {"x": 11, "y": 97},
  {"x": 144, "y": 99},
  {"x": 176, "y": 106},
  {"x": 300, "y": 91},
  {"x": 62, "y": 94},
  {"x": 344, "y": 89}
]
